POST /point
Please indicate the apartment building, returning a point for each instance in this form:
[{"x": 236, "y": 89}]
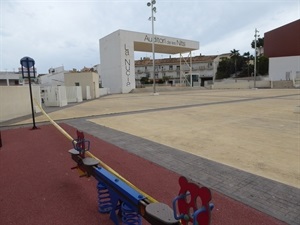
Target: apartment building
[
  {"x": 178, "y": 70},
  {"x": 14, "y": 78}
]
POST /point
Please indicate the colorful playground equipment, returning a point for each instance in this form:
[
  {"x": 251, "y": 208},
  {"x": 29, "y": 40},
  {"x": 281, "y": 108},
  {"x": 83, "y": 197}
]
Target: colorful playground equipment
[{"x": 126, "y": 203}]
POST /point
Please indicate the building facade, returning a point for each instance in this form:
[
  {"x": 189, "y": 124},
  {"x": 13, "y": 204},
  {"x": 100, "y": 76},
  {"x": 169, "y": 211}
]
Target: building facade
[
  {"x": 117, "y": 55},
  {"x": 282, "y": 46},
  {"x": 55, "y": 77},
  {"x": 12, "y": 78},
  {"x": 179, "y": 70},
  {"x": 88, "y": 81}
]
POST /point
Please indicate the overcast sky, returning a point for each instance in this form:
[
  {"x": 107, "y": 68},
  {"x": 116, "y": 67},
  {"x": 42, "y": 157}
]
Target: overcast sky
[{"x": 67, "y": 32}]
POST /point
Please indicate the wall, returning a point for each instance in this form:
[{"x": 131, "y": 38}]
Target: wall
[
  {"x": 74, "y": 94},
  {"x": 283, "y": 41},
  {"x": 282, "y": 84},
  {"x": 241, "y": 84},
  {"x": 55, "y": 96},
  {"x": 279, "y": 66},
  {"x": 104, "y": 91},
  {"x": 15, "y": 101},
  {"x": 84, "y": 79},
  {"x": 117, "y": 63}
]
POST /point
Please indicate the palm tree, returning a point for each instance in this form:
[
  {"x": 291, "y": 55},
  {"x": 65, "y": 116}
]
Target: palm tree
[
  {"x": 247, "y": 56},
  {"x": 235, "y": 54}
]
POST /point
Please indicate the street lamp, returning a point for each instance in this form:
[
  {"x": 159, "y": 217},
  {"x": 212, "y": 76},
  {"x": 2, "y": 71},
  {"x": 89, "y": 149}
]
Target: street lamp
[
  {"x": 255, "y": 36},
  {"x": 152, "y": 18}
]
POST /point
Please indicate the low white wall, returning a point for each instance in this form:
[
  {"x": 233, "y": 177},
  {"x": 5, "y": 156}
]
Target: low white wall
[
  {"x": 241, "y": 84},
  {"x": 104, "y": 91},
  {"x": 15, "y": 101},
  {"x": 88, "y": 93},
  {"x": 74, "y": 94},
  {"x": 55, "y": 96},
  {"x": 282, "y": 84}
]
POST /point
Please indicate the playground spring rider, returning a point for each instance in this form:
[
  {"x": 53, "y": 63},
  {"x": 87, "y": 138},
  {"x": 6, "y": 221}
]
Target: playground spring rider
[
  {"x": 118, "y": 198},
  {"x": 193, "y": 204}
]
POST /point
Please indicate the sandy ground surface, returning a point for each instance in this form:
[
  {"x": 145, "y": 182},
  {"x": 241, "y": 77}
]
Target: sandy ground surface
[{"x": 257, "y": 131}]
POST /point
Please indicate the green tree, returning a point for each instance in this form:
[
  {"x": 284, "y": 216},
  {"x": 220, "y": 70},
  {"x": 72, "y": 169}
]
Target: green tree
[
  {"x": 263, "y": 65},
  {"x": 235, "y": 55},
  {"x": 247, "y": 58},
  {"x": 262, "y": 61},
  {"x": 224, "y": 69},
  {"x": 259, "y": 43},
  {"x": 144, "y": 80}
]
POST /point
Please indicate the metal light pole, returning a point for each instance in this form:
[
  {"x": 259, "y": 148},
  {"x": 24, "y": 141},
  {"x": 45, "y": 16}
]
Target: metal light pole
[
  {"x": 153, "y": 10},
  {"x": 255, "y": 36}
]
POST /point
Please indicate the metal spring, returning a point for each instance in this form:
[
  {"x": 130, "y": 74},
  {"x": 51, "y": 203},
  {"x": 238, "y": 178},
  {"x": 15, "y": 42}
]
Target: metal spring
[
  {"x": 130, "y": 217},
  {"x": 104, "y": 203}
]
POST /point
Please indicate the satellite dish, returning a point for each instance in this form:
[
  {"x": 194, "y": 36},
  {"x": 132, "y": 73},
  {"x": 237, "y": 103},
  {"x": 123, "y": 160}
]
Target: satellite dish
[{"x": 148, "y": 4}]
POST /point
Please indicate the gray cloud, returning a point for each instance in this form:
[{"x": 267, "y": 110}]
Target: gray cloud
[{"x": 68, "y": 32}]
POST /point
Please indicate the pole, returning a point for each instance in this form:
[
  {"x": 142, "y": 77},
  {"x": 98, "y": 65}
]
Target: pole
[
  {"x": 255, "y": 57},
  {"x": 153, "y": 50},
  {"x": 30, "y": 91},
  {"x": 191, "y": 70},
  {"x": 180, "y": 80}
]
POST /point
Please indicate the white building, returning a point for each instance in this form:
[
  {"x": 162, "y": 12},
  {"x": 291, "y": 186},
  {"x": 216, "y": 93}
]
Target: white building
[
  {"x": 10, "y": 78},
  {"x": 117, "y": 55},
  {"x": 88, "y": 81},
  {"x": 178, "y": 70},
  {"x": 55, "y": 77}
]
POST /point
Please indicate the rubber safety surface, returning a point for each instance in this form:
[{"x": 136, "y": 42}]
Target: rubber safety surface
[{"x": 37, "y": 185}]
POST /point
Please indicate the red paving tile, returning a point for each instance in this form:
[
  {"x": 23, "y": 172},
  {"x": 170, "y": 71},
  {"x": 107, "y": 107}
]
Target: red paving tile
[{"x": 38, "y": 187}]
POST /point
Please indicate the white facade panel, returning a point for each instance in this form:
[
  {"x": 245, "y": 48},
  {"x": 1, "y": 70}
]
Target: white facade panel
[
  {"x": 55, "y": 96},
  {"x": 74, "y": 94},
  {"x": 284, "y": 68},
  {"x": 110, "y": 55}
]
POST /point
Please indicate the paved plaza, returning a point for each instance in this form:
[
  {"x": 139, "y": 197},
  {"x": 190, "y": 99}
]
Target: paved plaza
[{"x": 242, "y": 143}]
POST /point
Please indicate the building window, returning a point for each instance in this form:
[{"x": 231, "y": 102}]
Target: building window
[
  {"x": 77, "y": 84},
  {"x": 170, "y": 67}
]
